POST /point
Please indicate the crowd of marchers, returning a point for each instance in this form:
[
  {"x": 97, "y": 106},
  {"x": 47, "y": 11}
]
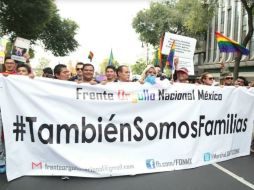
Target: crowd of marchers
[{"x": 85, "y": 73}]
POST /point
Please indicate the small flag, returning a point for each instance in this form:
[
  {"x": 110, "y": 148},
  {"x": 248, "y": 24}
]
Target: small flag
[
  {"x": 227, "y": 45},
  {"x": 111, "y": 58},
  {"x": 170, "y": 59},
  {"x": 90, "y": 56}
]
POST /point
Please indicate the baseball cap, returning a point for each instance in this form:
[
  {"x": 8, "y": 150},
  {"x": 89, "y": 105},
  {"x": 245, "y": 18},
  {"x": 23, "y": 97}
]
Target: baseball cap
[{"x": 183, "y": 69}]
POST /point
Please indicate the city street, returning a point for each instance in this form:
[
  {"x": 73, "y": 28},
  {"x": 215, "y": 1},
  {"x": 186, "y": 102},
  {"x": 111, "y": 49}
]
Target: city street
[{"x": 235, "y": 174}]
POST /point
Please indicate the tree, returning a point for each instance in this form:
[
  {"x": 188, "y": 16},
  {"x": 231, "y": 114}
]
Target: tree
[
  {"x": 139, "y": 67},
  {"x": 71, "y": 68},
  {"x": 183, "y": 17},
  {"x": 152, "y": 22},
  {"x": 58, "y": 36},
  {"x": 38, "y": 20},
  {"x": 248, "y": 5},
  {"x": 195, "y": 16},
  {"x": 104, "y": 64},
  {"x": 43, "y": 62}
]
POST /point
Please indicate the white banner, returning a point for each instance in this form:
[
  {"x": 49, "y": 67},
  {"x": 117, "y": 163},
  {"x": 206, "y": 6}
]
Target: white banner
[
  {"x": 185, "y": 48},
  {"x": 62, "y": 128}
]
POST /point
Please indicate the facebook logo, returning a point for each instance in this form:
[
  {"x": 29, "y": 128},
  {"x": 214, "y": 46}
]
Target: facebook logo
[
  {"x": 150, "y": 163},
  {"x": 207, "y": 157}
]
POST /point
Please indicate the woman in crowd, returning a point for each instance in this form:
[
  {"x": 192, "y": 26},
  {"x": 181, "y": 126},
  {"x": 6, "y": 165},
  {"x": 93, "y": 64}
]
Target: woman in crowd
[
  {"x": 148, "y": 75},
  {"x": 207, "y": 79}
]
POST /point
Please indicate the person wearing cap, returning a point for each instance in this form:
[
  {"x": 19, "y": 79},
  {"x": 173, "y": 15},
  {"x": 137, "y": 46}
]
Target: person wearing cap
[{"x": 182, "y": 75}]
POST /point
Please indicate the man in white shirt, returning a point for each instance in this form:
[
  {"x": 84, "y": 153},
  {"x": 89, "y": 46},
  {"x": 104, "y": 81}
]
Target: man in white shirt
[{"x": 123, "y": 73}]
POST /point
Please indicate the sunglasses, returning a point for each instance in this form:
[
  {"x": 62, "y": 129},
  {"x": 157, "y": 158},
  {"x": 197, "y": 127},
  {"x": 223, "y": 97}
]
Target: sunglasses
[
  {"x": 79, "y": 69},
  {"x": 231, "y": 78},
  {"x": 210, "y": 78}
]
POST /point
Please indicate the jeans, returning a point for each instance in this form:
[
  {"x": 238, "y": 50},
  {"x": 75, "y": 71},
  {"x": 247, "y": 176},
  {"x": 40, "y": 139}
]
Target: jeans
[{"x": 2, "y": 150}]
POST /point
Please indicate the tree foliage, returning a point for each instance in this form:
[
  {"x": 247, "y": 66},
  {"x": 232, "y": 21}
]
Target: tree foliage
[
  {"x": 58, "y": 35},
  {"x": 38, "y": 20},
  {"x": 183, "y": 17},
  {"x": 104, "y": 64},
  {"x": 43, "y": 62},
  {"x": 139, "y": 67}
]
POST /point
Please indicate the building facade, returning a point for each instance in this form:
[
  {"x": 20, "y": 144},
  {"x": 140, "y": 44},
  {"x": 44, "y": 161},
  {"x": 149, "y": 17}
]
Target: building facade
[{"x": 231, "y": 20}]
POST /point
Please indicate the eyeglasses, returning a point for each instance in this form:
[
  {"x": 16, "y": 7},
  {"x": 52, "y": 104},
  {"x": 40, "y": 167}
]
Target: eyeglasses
[
  {"x": 79, "y": 69},
  {"x": 229, "y": 78}
]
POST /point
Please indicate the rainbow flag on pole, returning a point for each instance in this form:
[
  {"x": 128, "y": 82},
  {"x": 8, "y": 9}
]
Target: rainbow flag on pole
[
  {"x": 159, "y": 51},
  {"x": 170, "y": 59},
  {"x": 227, "y": 45}
]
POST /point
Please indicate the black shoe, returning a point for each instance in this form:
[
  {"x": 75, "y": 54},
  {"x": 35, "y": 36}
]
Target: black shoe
[{"x": 252, "y": 146}]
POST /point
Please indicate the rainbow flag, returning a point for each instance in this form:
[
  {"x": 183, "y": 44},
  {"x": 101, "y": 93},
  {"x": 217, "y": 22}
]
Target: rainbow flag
[
  {"x": 170, "y": 59},
  {"x": 90, "y": 55},
  {"x": 159, "y": 51},
  {"x": 227, "y": 45}
]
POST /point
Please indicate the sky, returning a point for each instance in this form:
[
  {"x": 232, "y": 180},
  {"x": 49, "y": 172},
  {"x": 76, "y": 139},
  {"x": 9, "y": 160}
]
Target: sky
[{"x": 103, "y": 25}]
